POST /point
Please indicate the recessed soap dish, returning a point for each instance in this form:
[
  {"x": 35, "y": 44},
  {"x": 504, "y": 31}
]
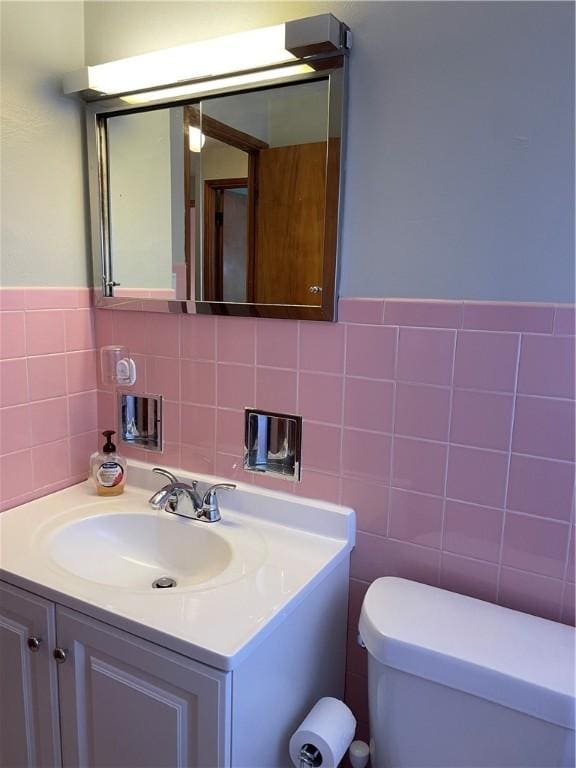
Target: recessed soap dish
[{"x": 273, "y": 443}]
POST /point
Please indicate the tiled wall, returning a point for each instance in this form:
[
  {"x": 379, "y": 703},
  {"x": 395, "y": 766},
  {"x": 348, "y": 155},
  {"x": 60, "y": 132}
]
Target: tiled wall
[
  {"x": 47, "y": 391},
  {"x": 448, "y": 426}
]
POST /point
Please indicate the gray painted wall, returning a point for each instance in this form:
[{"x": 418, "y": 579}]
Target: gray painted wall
[
  {"x": 42, "y": 188},
  {"x": 459, "y": 173}
]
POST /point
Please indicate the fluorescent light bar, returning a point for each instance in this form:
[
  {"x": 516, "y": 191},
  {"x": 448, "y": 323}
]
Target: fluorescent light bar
[
  {"x": 253, "y": 49},
  {"x": 194, "y": 89}
]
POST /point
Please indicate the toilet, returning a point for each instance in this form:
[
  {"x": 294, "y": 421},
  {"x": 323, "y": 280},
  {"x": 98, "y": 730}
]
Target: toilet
[{"x": 454, "y": 682}]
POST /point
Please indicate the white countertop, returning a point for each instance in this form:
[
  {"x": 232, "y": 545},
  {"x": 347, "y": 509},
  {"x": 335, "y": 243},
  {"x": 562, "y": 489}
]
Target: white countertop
[{"x": 298, "y": 540}]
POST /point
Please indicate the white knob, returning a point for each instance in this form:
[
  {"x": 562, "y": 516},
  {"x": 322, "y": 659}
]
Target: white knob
[{"x": 359, "y": 754}]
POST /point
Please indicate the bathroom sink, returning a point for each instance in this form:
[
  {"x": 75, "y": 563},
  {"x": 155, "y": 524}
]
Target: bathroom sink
[
  {"x": 134, "y": 550},
  {"x": 236, "y": 579}
]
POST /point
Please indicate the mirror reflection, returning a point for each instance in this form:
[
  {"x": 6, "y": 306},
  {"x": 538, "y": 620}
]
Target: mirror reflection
[{"x": 224, "y": 200}]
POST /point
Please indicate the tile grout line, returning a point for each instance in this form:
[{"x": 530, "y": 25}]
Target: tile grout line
[
  {"x": 393, "y": 428},
  {"x": 509, "y": 464},
  {"x": 445, "y": 484}
]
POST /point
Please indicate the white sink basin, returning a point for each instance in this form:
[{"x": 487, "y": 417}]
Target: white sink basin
[{"x": 133, "y": 550}]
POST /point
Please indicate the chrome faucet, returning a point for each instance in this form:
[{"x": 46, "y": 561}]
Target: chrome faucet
[{"x": 183, "y": 499}]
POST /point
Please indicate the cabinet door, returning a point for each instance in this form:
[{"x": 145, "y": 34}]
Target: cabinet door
[
  {"x": 29, "y": 729},
  {"x": 127, "y": 702}
]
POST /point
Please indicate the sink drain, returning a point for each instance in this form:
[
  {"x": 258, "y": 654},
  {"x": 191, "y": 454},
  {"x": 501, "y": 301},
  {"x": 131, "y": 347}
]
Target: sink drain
[{"x": 164, "y": 582}]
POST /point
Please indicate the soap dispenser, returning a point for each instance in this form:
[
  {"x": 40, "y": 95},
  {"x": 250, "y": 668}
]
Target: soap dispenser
[{"x": 108, "y": 469}]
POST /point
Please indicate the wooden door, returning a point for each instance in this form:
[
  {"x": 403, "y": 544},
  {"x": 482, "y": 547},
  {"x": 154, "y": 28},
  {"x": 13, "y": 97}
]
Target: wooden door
[
  {"x": 290, "y": 221},
  {"x": 29, "y": 728},
  {"x": 128, "y": 703}
]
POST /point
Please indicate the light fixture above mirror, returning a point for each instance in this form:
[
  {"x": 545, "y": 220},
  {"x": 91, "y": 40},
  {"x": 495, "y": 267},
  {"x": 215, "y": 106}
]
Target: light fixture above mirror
[{"x": 215, "y": 172}]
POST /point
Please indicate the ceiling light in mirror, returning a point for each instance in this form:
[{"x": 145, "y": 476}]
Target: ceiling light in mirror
[{"x": 196, "y": 139}]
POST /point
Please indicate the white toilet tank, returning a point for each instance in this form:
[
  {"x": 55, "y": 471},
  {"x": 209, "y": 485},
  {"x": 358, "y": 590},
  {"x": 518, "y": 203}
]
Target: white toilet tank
[{"x": 456, "y": 682}]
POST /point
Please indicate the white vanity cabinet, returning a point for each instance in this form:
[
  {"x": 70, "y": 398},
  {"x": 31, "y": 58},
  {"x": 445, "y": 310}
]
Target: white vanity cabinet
[
  {"x": 122, "y": 701},
  {"x": 29, "y": 727}
]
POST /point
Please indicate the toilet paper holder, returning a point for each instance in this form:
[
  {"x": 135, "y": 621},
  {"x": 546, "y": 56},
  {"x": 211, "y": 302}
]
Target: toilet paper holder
[{"x": 310, "y": 756}]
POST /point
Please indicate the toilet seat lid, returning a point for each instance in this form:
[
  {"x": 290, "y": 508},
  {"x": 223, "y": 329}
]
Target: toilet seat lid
[{"x": 520, "y": 661}]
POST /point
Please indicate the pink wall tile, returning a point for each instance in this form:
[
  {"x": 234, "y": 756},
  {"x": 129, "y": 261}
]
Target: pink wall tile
[
  {"x": 318, "y": 485},
  {"x": 198, "y": 426},
  {"x": 481, "y": 419},
  {"x": 361, "y": 311},
  {"x": 12, "y": 335},
  {"x": 171, "y": 413},
  {"x": 571, "y": 565},
  {"x": 535, "y": 545},
  {"x": 431, "y": 314},
  {"x": 130, "y": 330},
  {"x": 170, "y": 455},
  {"x": 82, "y": 412},
  {"x": 13, "y": 382},
  {"x": 81, "y": 448},
  {"x": 45, "y": 332},
  {"x": 422, "y": 411},
  {"x": 235, "y": 386},
  {"x": 322, "y": 347},
  {"x": 198, "y": 382},
  {"x": 530, "y": 593},
  {"x": 321, "y": 447},
  {"x": 565, "y": 321},
  {"x": 276, "y": 390},
  {"x": 409, "y": 561},
  {"x": 14, "y": 429},
  {"x": 231, "y": 467},
  {"x": 106, "y": 410},
  {"x": 370, "y": 501},
  {"x": 356, "y": 656},
  {"x": 366, "y": 454},
  {"x": 544, "y": 427},
  {"x": 51, "y": 463},
  {"x": 547, "y": 366},
  {"x": 320, "y": 397},
  {"x": 495, "y": 316},
  {"x": 277, "y": 343},
  {"x": 469, "y": 577},
  {"x": 197, "y": 459},
  {"x": 230, "y": 431},
  {"x": 541, "y": 487},
  {"x": 486, "y": 361},
  {"x": 104, "y": 327},
  {"x": 236, "y": 340},
  {"x": 419, "y": 466},
  {"x": 47, "y": 376},
  {"x": 12, "y": 299},
  {"x": 162, "y": 377},
  {"x": 163, "y": 332},
  {"x": 371, "y": 351},
  {"x": 425, "y": 356},
  {"x": 79, "y": 329},
  {"x": 368, "y": 404},
  {"x": 49, "y": 420},
  {"x": 473, "y": 530},
  {"x": 415, "y": 517},
  {"x": 356, "y": 696},
  {"x": 477, "y": 475},
  {"x": 53, "y": 298},
  {"x": 569, "y": 605},
  {"x": 81, "y": 371},
  {"x": 15, "y": 474},
  {"x": 367, "y": 560},
  {"x": 198, "y": 337}
]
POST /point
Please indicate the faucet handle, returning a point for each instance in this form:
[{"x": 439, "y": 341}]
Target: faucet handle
[
  {"x": 210, "y": 495},
  {"x": 171, "y": 477}
]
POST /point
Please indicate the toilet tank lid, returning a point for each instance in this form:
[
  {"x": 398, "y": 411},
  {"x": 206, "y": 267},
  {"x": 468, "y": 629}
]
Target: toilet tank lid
[{"x": 520, "y": 661}]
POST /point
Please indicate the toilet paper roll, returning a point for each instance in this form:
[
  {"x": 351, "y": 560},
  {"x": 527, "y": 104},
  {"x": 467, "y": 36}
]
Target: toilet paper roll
[{"x": 329, "y": 727}]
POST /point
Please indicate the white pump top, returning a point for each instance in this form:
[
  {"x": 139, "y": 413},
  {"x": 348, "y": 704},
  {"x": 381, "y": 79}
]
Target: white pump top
[{"x": 520, "y": 661}]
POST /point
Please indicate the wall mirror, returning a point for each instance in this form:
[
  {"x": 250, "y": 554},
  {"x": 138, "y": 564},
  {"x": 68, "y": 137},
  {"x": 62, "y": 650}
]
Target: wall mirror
[{"x": 223, "y": 203}]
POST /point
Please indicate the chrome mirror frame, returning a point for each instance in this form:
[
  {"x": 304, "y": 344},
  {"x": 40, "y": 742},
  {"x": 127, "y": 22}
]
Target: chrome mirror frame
[{"x": 328, "y": 66}]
